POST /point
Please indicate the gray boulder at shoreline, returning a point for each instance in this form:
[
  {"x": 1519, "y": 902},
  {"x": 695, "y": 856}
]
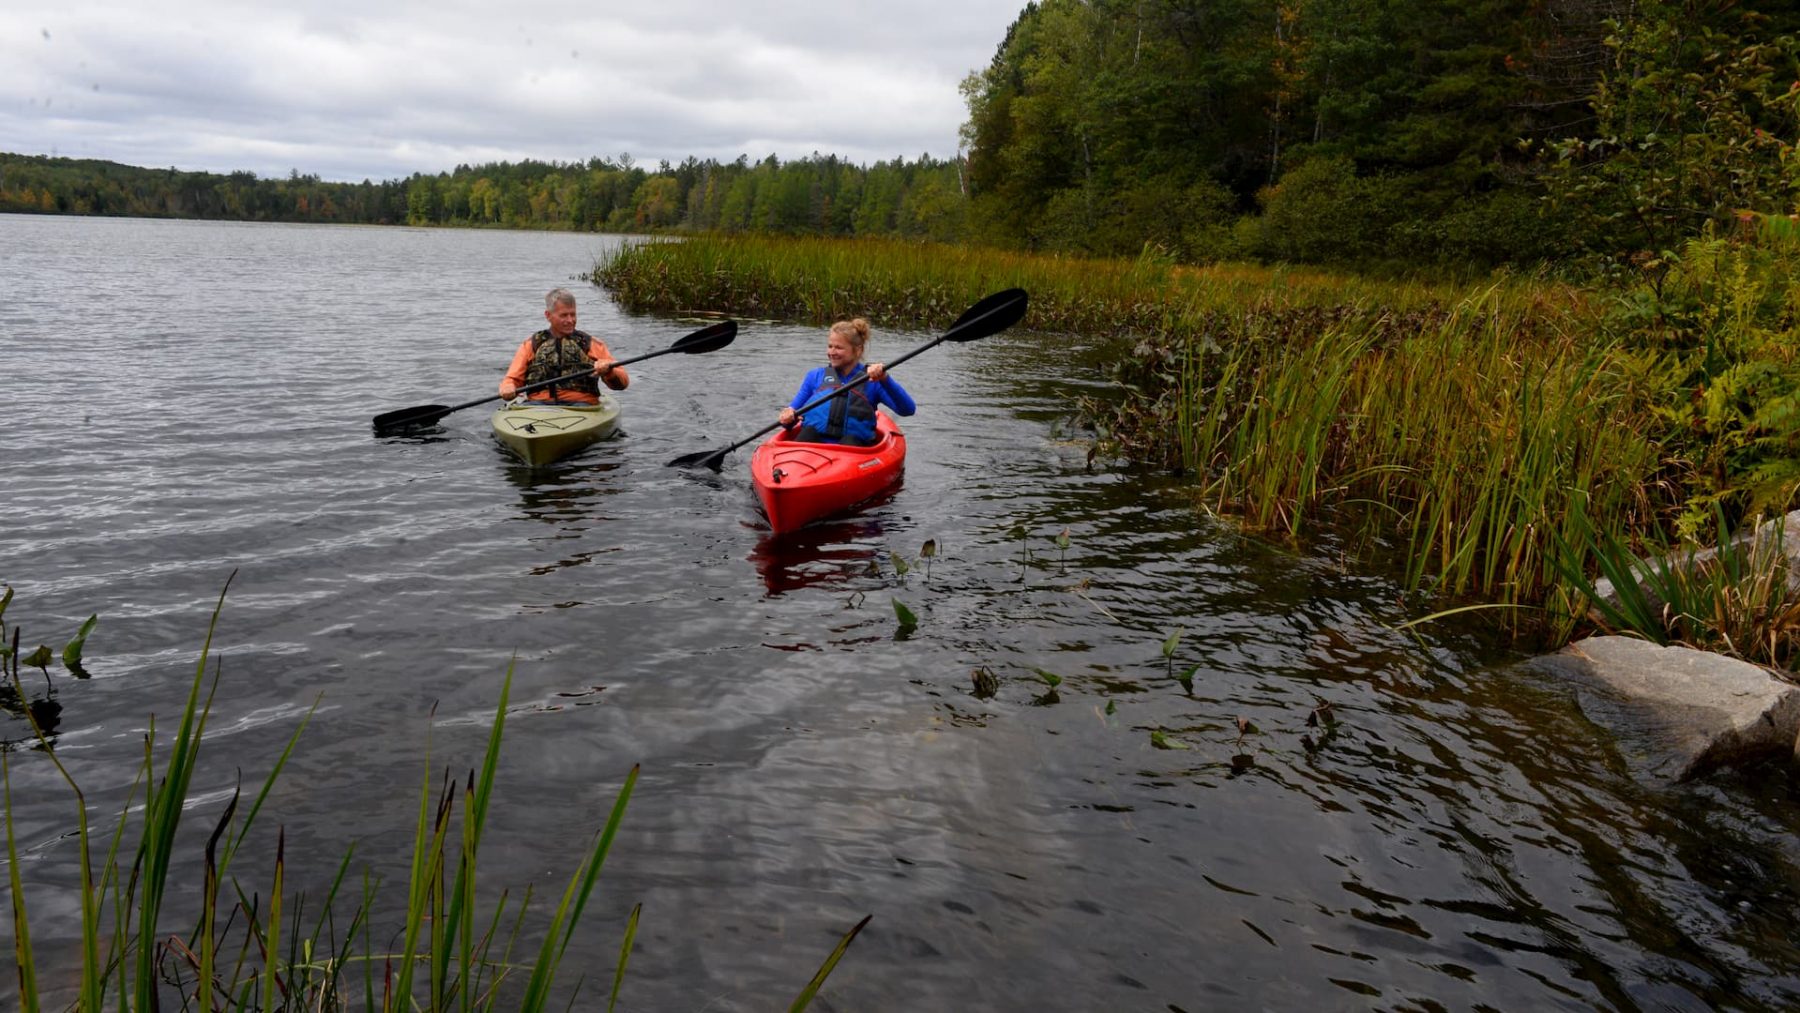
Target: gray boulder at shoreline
[{"x": 1679, "y": 713}]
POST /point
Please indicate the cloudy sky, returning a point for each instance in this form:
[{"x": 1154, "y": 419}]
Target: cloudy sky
[{"x": 380, "y": 89}]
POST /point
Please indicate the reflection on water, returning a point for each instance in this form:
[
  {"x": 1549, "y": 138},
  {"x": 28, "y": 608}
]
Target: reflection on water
[
  {"x": 829, "y": 552},
  {"x": 22, "y": 711},
  {"x": 1459, "y": 838},
  {"x": 424, "y": 436},
  {"x": 567, "y": 494}
]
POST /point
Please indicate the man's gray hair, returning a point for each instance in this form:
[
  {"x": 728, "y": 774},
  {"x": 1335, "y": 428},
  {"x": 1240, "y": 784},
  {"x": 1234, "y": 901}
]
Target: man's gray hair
[{"x": 558, "y": 297}]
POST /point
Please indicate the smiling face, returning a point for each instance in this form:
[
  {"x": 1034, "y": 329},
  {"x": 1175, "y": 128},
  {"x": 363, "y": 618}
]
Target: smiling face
[
  {"x": 562, "y": 319},
  {"x": 839, "y": 352}
]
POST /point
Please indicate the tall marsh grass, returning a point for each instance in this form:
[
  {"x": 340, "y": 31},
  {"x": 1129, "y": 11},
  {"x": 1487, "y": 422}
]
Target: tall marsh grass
[
  {"x": 927, "y": 284},
  {"x": 1463, "y": 426},
  {"x": 1501, "y": 439},
  {"x": 259, "y": 948},
  {"x": 1468, "y": 437}
]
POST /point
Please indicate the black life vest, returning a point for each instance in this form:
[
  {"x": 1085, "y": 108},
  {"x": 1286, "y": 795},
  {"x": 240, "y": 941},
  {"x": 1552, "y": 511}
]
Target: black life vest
[{"x": 851, "y": 414}]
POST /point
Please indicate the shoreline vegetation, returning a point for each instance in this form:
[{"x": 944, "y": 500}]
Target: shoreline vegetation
[
  {"x": 259, "y": 944},
  {"x": 1511, "y": 440}
]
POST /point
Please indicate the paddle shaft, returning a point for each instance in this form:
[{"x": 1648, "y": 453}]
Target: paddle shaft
[
  {"x": 949, "y": 335},
  {"x": 707, "y": 339},
  {"x": 839, "y": 392},
  {"x": 528, "y": 388},
  {"x": 553, "y": 381},
  {"x": 994, "y": 313}
]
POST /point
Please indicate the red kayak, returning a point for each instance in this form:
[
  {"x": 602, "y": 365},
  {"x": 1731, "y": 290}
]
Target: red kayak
[{"x": 798, "y": 483}]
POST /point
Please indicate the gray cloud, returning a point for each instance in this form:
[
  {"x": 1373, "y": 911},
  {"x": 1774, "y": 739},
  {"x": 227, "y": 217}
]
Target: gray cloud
[{"x": 354, "y": 91}]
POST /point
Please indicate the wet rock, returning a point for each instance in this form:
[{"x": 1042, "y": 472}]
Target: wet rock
[{"x": 1680, "y": 713}]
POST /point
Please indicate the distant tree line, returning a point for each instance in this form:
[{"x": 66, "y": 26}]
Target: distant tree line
[
  {"x": 819, "y": 195},
  {"x": 36, "y": 184},
  {"x": 1354, "y": 132}
]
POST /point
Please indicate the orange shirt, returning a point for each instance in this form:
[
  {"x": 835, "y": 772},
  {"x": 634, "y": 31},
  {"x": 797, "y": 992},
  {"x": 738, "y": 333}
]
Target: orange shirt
[{"x": 618, "y": 379}]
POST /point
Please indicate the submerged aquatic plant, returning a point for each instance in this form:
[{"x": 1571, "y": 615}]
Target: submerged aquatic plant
[
  {"x": 1169, "y": 644},
  {"x": 1023, "y": 534},
  {"x": 986, "y": 682},
  {"x": 41, "y": 656},
  {"x": 1162, "y": 740},
  {"x": 1186, "y": 678},
  {"x": 908, "y": 621}
]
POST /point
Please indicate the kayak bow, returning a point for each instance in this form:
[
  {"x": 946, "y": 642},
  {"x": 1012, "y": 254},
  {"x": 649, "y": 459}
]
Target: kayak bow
[
  {"x": 799, "y": 483},
  {"x": 542, "y": 433}
]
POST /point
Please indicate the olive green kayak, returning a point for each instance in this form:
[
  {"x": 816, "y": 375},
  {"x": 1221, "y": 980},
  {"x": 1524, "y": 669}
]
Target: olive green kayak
[{"x": 542, "y": 433}]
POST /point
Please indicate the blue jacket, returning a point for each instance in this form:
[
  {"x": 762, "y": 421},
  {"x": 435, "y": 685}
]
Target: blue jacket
[{"x": 859, "y": 427}]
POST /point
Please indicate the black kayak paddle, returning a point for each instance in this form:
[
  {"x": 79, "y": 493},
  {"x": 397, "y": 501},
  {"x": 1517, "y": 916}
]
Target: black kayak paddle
[
  {"x": 710, "y": 338},
  {"x": 991, "y": 315}
]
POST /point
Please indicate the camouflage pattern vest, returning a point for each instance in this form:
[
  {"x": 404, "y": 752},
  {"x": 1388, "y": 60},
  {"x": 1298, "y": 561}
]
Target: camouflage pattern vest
[{"x": 551, "y": 358}]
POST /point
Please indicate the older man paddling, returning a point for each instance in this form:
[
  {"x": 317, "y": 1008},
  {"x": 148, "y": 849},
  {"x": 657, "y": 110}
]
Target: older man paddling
[{"x": 559, "y": 350}]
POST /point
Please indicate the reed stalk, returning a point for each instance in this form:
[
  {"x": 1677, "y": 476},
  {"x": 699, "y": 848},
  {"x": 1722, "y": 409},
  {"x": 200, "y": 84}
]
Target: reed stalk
[{"x": 277, "y": 961}]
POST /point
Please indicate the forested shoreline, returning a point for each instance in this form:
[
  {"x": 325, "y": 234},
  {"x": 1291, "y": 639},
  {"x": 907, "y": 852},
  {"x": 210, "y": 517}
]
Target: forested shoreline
[
  {"x": 819, "y": 195},
  {"x": 1433, "y": 134}
]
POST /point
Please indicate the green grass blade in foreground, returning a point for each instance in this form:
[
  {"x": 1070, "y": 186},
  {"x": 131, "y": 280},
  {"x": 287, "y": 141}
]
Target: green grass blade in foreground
[
  {"x": 338, "y": 958},
  {"x": 297, "y": 969},
  {"x": 162, "y": 815},
  {"x": 462, "y": 902},
  {"x": 1446, "y": 613},
  {"x": 1627, "y": 608},
  {"x": 575, "y": 899},
  {"x": 419, "y": 886},
  {"x": 631, "y": 925},
  {"x": 807, "y": 994},
  {"x": 236, "y": 839},
  {"x": 209, "y": 906},
  {"x": 483, "y": 963},
  {"x": 28, "y": 997},
  {"x": 272, "y": 966}
]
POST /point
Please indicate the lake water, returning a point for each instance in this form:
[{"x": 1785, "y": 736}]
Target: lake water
[{"x": 181, "y": 401}]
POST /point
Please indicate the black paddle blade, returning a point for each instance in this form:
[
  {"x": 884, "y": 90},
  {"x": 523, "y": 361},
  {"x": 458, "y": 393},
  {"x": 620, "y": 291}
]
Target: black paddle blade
[
  {"x": 714, "y": 459},
  {"x": 416, "y": 417},
  {"x": 710, "y": 338},
  {"x": 991, "y": 315}
]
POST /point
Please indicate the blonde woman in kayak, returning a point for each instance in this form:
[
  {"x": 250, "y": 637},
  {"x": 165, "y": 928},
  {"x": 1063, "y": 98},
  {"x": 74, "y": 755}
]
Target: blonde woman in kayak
[
  {"x": 559, "y": 350},
  {"x": 850, "y": 417}
]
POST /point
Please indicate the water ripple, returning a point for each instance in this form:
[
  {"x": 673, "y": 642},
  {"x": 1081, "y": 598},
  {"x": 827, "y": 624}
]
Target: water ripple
[{"x": 1454, "y": 836}]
